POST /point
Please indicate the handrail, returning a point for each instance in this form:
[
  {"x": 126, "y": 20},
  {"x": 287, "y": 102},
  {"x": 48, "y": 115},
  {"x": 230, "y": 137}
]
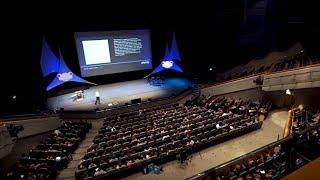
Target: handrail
[
  {"x": 232, "y": 80},
  {"x": 262, "y": 73},
  {"x": 170, "y": 99},
  {"x": 26, "y": 117},
  {"x": 176, "y": 98},
  {"x": 294, "y": 69},
  {"x": 287, "y": 127},
  {"x": 212, "y": 170},
  {"x": 125, "y": 108},
  {"x": 287, "y": 138}
]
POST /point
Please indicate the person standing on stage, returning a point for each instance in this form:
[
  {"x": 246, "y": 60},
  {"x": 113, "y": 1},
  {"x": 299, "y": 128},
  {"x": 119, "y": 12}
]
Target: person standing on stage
[{"x": 97, "y": 98}]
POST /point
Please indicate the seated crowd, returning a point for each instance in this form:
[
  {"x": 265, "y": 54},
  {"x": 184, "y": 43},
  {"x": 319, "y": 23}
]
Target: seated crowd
[
  {"x": 52, "y": 154},
  {"x": 295, "y": 61},
  {"x": 306, "y": 131},
  {"x": 133, "y": 140},
  {"x": 278, "y": 160},
  {"x": 298, "y": 60},
  {"x": 238, "y": 106},
  {"x": 303, "y": 118},
  {"x": 268, "y": 163}
]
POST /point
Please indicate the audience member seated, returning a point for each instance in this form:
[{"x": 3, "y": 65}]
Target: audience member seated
[
  {"x": 304, "y": 118},
  {"x": 268, "y": 163},
  {"x": 295, "y": 61},
  {"x": 276, "y": 161},
  {"x": 52, "y": 154},
  {"x": 135, "y": 139}
]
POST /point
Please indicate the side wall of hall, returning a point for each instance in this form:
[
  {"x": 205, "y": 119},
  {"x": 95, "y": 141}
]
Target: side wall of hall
[{"x": 307, "y": 96}]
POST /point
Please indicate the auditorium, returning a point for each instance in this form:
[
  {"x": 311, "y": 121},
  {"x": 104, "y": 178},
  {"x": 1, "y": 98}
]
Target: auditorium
[{"x": 230, "y": 92}]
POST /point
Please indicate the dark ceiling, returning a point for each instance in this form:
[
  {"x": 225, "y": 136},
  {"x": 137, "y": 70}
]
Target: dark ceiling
[{"x": 219, "y": 34}]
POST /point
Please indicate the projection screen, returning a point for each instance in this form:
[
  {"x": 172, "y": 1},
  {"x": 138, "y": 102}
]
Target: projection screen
[{"x": 109, "y": 52}]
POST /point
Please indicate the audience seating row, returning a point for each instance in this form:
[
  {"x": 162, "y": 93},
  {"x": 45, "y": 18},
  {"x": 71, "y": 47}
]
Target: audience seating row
[
  {"x": 268, "y": 163},
  {"x": 303, "y": 118},
  {"x": 276, "y": 160},
  {"x": 300, "y": 59},
  {"x": 52, "y": 154},
  {"x": 130, "y": 141}
]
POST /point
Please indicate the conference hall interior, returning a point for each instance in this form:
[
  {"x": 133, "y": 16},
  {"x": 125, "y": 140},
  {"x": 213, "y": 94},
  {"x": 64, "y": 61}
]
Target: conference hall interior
[{"x": 217, "y": 91}]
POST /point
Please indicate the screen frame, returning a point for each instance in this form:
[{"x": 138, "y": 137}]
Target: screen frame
[{"x": 99, "y": 35}]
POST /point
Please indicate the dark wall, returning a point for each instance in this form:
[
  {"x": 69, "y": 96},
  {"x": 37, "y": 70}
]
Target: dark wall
[{"x": 20, "y": 73}]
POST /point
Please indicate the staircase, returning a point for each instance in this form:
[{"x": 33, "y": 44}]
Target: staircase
[
  {"x": 195, "y": 91},
  {"x": 69, "y": 172}
]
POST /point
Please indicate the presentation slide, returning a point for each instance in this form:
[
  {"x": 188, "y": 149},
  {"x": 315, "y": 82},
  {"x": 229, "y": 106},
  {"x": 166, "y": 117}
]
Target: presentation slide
[{"x": 110, "y": 52}]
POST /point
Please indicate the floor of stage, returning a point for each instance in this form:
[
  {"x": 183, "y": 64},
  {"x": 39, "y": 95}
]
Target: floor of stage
[
  {"x": 119, "y": 94},
  {"x": 213, "y": 156}
]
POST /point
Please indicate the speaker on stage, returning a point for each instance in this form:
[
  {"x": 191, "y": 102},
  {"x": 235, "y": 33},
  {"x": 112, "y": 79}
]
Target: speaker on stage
[{"x": 136, "y": 101}]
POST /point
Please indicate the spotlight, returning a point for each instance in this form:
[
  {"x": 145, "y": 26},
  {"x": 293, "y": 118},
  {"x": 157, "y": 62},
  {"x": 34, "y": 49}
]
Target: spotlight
[
  {"x": 210, "y": 69},
  {"x": 14, "y": 97},
  {"x": 288, "y": 92}
]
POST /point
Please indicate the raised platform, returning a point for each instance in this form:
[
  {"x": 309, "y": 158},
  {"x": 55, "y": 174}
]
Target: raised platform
[{"x": 119, "y": 93}]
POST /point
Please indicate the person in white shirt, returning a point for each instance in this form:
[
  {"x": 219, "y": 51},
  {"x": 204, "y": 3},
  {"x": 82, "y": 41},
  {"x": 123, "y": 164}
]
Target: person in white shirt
[
  {"x": 97, "y": 98},
  {"x": 57, "y": 132},
  {"x": 147, "y": 156},
  {"x": 226, "y": 114},
  {"x": 58, "y": 159},
  {"x": 191, "y": 142},
  {"x": 99, "y": 172},
  {"x": 217, "y": 126}
]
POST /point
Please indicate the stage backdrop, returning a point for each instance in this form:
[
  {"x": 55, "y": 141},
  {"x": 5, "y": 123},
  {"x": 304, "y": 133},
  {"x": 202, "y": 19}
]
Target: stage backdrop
[{"x": 111, "y": 52}]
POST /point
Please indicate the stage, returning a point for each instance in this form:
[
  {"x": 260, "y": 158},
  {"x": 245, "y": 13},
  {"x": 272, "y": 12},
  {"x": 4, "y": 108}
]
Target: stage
[{"x": 118, "y": 94}]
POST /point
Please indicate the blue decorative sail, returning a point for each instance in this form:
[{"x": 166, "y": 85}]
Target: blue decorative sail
[
  {"x": 64, "y": 74},
  {"x": 171, "y": 59},
  {"x": 167, "y": 54},
  {"x": 174, "y": 53},
  {"x": 49, "y": 61},
  {"x": 167, "y": 65}
]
